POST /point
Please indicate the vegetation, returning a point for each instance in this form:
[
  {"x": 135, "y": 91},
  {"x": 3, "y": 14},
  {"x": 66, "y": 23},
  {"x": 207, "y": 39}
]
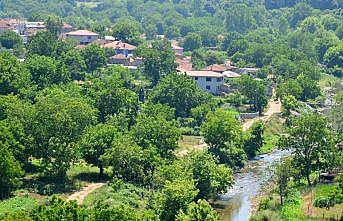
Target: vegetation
[{"x": 65, "y": 113}]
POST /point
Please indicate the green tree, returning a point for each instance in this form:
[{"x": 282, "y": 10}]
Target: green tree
[
  {"x": 46, "y": 71},
  {"x": 10, "y": 171},
  {"x": 211, "y": 178},
  {"x": 95, "y": 141},
  {"x": 177, "y": 195},
  {"x": 289, "y": 103},
  {"x": 192, "y": 41},
  {"x": 179, "y": 92},
  {"x": 283, "y": 175},
  {"x": 43, "y": 43},
  {"x": 110, "y": 96},
  {"x": 200, "y": 211},
  {"x": 10, "y": 39},
  {"x": 221, "y": 127},
  {"x": 75, "y": 63},
  {"x": 125, "y": 29},
  {"x": 289, "y": 87},
  {"x": 54, "y": 24},
  {"x": 255, "y": 91},
  {"x": 14, "y": 77},
  {"x": 308, "y": 137},
  {"x": 154, "y": 129},
  {"x": 334, "y": 56},
  {"x": 158, "y": 61},
  {"x": 254, "y": 141},
  {"x": 94, "y": 57},
  {"x": 59, "y": 121},
  {"x": 130, "y": 162},
  {"x": 310, "y": 88}
]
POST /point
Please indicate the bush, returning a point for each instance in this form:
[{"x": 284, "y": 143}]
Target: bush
[{"x": 266, "y": 215}]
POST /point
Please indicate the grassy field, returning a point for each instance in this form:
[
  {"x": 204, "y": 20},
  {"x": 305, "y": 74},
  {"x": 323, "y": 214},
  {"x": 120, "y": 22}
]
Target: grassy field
[
  {"x": 321, "y": 191},
  {"x": 20, "y": 203}
]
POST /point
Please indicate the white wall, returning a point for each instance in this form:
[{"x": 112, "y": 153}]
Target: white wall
[{"x": 213, "y": 84}]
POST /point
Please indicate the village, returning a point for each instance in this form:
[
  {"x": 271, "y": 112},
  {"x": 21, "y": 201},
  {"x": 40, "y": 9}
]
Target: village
[{"x": 170, "y": 111}]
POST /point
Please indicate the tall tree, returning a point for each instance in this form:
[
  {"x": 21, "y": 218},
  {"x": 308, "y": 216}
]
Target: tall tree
[
  {"x": 61, "y": 116},
  {"x": 46, "y": 71},
  {"x": 94, "y": 57},
  {"x": 10, "y": 171},
  {"x": 309, "y": 137},
  {"x": 10, "y": 39},
  {"x": 200, "y": 211},
  {"x": 179, "y": 92},
  {"x": 95, "y": 141},
  {"x": 158, "y": 61},
  {"x": 14, "y": 77},
  {"x": 255, "y": 91}
]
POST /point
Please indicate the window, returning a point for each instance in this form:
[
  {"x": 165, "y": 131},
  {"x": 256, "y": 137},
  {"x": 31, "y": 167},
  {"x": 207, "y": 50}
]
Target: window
[
  {"x": 196, "y": 78},
  {"x": 89, "y": 37},
  {"x": 208, "y": 87},
  {"x": 219, "y": 79},
  {"x": 208, "y": 79}
]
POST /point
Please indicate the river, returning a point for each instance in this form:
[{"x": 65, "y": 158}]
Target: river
[{"x": 236, "y": 204}]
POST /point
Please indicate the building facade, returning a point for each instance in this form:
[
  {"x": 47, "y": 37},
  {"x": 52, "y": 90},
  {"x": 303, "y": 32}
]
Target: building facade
[{"x": 208, "y": 81}]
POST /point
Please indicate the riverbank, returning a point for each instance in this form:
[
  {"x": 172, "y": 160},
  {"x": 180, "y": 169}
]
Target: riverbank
[{"x": 239, "y": 202}]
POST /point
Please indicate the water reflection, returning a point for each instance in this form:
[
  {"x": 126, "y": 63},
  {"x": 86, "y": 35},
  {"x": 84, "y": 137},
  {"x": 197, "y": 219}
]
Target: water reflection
[{"x": 235, "y": 205}]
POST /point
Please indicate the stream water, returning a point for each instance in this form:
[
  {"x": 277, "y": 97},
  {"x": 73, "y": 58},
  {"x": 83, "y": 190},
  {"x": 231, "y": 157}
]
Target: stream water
[{"x": 236, "y": 204}]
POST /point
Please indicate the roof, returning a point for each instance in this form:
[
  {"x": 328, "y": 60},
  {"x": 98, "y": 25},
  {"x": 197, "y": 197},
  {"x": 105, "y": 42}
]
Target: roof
[
  {"x": 176, "y": 47},
  {"x": 120, "y": 45},
  {"x": 218, "y": 68},
  {"x": 184, "y": 63},
  {"x": 204, "y": 74},
  {"x": 119, "y": 56},
  {"x": 82, "y": 33},
  {"x": 231, "y": 74},
  {"x": 67, "y": 26}
]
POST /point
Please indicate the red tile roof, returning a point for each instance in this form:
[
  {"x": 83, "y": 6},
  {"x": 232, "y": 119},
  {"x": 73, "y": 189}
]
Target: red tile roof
[
  {"x": 218, "y": 68},
  {"x": 120, "y": 45}
]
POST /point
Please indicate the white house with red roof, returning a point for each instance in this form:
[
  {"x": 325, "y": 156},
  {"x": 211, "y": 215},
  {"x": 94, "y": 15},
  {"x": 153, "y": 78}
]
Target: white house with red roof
[
  {"x": 83, "y": 37},
  {"x": 208, "y": 81}
]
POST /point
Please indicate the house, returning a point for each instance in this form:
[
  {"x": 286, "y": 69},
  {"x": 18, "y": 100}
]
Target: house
[
  {"x": 83, "y": 37},
  {"x": 12, "y": 24},
  {"x": 184, "y": 63},
  {"x": 177, "y": 49},
  {"x": 121, "y": 48},
  {"x": 231, "y": 74},
  {"x": 208, "y": 81},
  {"x": 67, "y": 28}
]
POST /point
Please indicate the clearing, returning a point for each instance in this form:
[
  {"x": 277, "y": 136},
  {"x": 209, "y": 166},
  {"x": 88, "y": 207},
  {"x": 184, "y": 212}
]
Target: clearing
[{"x": 79, "y": 196}]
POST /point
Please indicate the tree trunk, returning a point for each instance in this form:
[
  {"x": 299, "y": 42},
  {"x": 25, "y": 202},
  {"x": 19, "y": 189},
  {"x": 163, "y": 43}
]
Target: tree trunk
[
  {"x": 101, "y": 173},
  {"x": 308, "y": 179}
]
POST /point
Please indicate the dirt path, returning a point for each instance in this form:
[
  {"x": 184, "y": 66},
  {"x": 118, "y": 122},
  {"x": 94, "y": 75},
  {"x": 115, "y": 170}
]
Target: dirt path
[
  {"x": 274, "y": 107},
  {"x": 80, "y": 195}
]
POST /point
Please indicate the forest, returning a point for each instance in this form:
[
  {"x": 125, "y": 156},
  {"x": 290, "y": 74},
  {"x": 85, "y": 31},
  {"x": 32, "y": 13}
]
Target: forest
[{"x": 157, "y": 146}]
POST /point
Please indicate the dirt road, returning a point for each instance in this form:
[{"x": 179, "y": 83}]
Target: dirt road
[
  {"x": 274, "y": 107},
  {"x": 79, "y": 196}
]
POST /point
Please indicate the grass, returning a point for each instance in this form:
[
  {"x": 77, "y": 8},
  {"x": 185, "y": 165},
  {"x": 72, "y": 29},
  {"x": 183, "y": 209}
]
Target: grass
[
  {"x": 327, "y": 81},
  {"x": 77, "y": 176},
  {"x": 122, "y": 194},
  {"x": 187, "y": 143},
  {"x": 273, "y": 128},
  {"x": 22, "y": 203},
  {"x": 319, "y": 191}
]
